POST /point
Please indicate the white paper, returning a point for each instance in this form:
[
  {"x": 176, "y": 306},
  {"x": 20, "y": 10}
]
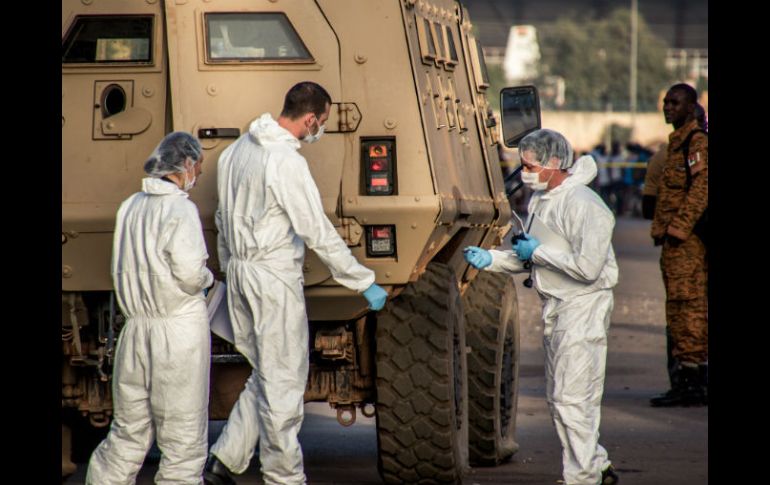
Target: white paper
[
  {"x": 547, "y": 237},
  {"x": 550, "y": 278},
  {"x": 219, "y": 314}
]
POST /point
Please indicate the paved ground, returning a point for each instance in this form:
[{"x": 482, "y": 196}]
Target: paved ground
[{"x": 648, "y": 446}]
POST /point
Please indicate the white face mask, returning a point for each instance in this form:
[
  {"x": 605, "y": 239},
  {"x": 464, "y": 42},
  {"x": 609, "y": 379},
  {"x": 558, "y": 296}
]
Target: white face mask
[
  {"x": 314, "y": 138},
  {"x": 188, "y": 184},
  {"x": 532, "y": 180}
]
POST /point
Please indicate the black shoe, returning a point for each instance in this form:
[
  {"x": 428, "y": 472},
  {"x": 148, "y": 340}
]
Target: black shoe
[
  {"x": 687, "y": 392},
  {"x": 216, "y": 473},
  {"x": 691, "y": 396},
  {"x": 672, "y": 397},
  {"x": 609, "y": 477},
  {"x": 703, "y": 373}
]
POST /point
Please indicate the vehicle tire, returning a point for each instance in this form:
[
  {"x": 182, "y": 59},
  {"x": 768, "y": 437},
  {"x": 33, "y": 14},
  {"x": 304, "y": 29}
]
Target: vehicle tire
[
  {"x": 492, "y": 320},
  {"x": 422, "y": 392}
]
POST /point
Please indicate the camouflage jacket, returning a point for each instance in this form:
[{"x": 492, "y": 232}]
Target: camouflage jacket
[{"x": 678, "y": 209}]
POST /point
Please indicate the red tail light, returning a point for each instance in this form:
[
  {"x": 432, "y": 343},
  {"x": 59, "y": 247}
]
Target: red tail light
[
  {"x": 380, "y": 241},
  {"x": 378, "y": 157}
]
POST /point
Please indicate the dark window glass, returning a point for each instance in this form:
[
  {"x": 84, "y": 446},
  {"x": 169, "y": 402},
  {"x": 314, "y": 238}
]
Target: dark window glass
[
  {"x": 253, "y": 36},
  {"x": 451, "y": 42},
  {"x": 108, "y": 39},
  {"x": 429, "y": 38},
  {"x": 482, "y": 64}
]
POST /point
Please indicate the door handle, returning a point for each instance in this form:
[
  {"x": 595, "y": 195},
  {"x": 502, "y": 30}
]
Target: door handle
[{"x": 219, "y": 133}]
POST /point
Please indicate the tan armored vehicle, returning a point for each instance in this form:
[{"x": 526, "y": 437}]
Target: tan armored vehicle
[{"x": 409, "y": 175}]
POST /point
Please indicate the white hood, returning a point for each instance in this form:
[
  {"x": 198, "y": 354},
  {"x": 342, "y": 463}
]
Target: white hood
[
  {"x": 266, "y": 131},
  {"x": 155, "y": 186},
  {"x": 583, "y": 171}
]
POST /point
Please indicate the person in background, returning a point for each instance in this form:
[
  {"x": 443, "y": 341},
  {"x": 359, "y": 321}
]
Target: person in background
[
  {"x": 683, "y": 257},
  {"x": 269, "y": 209},
  {"x": 160, "y": 387},
  {"x": 574, "y": 271}
]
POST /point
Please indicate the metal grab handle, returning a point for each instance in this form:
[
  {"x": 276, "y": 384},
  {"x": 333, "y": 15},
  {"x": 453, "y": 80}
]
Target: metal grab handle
[{"x": 219, "y": 133}]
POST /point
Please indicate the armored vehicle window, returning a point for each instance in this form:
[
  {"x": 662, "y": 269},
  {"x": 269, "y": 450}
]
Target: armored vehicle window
[
  {"x": 425, "y": 38},
  {"x": 452, "y": 59},
  {"x": 479, "y": 66},
  {"x": 253, "y": 37},
  {"x": 429, "y": 38},
  {"x": 437, "y": 32},
  {"x": 482, "y": 64},
  {"x": 108, "y": 39}
]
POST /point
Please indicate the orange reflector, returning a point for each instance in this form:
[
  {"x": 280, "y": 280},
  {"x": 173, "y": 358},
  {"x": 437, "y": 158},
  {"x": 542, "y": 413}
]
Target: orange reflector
[
  {"x": 379, "y": 182},
  {"x": 378, "y": 151}
]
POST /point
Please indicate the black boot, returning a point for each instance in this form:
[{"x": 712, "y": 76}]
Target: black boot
[
  {"x": 216, "y": 473},
  {"x": 609, "y": 477},
  {"x": 703, "y": 374},
  {"x": 672, "y": 363},
  {"x": 686, "y": 392}
]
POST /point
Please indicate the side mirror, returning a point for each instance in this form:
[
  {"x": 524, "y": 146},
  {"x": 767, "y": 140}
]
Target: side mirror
[{"x": 520, "y": 112}]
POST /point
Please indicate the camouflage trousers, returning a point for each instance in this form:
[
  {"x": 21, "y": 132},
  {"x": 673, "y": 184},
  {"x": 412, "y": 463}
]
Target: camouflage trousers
[{"x": 685, "y": 276}]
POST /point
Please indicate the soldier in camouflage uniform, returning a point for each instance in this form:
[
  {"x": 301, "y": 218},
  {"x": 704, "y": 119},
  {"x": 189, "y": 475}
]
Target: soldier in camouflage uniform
[{"x": 683, "y": 259}]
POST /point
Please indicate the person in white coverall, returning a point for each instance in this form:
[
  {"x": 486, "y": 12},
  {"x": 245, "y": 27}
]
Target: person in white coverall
[
  {"x": 269, "y": 209},
  {"x": 574, "y": 271},
  {"x": 160, "y": 381}
]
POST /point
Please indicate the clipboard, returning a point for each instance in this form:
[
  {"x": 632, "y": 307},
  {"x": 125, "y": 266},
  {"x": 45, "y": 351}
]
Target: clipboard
[
  {"x": 219, "y": 313},
  {"x": 548, "y": 277},
  {"x": 545, "y": 235}
]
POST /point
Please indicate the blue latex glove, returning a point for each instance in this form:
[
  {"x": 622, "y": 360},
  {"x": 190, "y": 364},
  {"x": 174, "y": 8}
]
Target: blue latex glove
[
  {"x": 376, "y": 297},
  {"x": 524, "y": 248},
  {"x": 477, "y": 257}
]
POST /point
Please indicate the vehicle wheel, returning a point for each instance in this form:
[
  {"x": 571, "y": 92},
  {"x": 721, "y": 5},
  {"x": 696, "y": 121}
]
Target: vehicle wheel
[
  {"x": 422, "y": 392},
  {"x": 492, "y": 319}
]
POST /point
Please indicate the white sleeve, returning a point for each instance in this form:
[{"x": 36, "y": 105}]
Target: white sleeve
[
  {"x": 505, "y": 262},
  {"x": 589, "y": 230},
  {"x": 186, "y": 251},
  {"x": 295, "y": 191}
]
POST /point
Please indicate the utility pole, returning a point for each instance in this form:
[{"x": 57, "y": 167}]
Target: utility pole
[{"x": 634, "y": 56}]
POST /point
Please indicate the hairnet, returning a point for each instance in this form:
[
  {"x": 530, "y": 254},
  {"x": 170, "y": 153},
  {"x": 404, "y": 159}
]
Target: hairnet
[
  {"x": 172, "y": 153},
  {"x": 546, "y": 144}
]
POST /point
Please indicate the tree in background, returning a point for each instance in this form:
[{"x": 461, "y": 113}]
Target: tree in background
[
  {"x": 496, "y": 83},
  {"x": 593, "y": 56}
]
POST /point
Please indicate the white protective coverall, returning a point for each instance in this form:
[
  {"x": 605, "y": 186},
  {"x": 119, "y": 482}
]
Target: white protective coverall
[
  {"x": 269, "y": 208},
  {"x": 160, "y": 384},
  {"x": 576, "y": 314}
]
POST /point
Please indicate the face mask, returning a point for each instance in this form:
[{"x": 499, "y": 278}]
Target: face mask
[
  {"x": 188, "y": 184},
  {"x": 314, "y": 138},
  {"x": 532, "y": 180}
]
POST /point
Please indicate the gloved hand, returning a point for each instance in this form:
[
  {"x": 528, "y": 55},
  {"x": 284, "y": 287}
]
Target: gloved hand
[
  {"x": 525, "y": 247},
  {"x": 376, "y": 297},
  {"x": 477, "y": 257}
]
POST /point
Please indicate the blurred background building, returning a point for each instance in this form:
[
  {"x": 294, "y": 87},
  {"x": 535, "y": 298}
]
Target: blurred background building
[{"x": 601, "y": 68}]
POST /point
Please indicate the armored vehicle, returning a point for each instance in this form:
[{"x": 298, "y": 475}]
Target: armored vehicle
[{"x": 408, "y": 172}]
